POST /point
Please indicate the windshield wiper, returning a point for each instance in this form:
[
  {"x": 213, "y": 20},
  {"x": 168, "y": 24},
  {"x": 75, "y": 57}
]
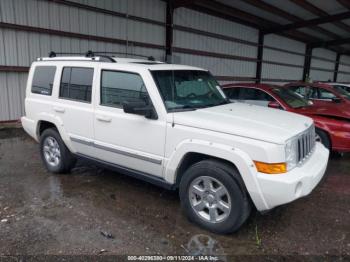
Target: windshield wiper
[{"x": 184, "y": 108}]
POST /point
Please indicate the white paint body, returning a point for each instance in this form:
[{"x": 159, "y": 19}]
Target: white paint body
[{"x": 238, "y": 133}]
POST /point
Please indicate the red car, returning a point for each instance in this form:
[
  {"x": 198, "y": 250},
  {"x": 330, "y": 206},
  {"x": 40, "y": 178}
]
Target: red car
[
  {"x": 332, "y": 124},
  {"x": 322, "y": 93}
]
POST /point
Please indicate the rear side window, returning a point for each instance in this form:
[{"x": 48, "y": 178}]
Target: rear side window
[
  {"x": 117, "y": 87},
  {"x": 76, "y": 83},
  {"x": 43, "y": 80},
  {"x": 255, "y": 94},
  {"x": 232, "y": 93},
  {"x": 325, "y": 94}
]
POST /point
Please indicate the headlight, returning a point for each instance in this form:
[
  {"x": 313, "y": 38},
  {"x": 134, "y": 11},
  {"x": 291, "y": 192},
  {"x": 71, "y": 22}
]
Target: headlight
[{"x": 291, "y": 153}]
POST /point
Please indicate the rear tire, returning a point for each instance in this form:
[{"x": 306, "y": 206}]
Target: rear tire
[
  {"x": 54, "y": 153},
  {"x": 323, "y": 138},
  {"x": 213, "y": 196}
]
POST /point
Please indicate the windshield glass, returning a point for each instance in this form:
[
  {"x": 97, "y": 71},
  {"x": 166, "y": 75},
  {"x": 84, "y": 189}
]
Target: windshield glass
[
  {"x": 188, "y": 89},
  {"x": 291, "y": 98},
  {"x": 341, "y": 90}
]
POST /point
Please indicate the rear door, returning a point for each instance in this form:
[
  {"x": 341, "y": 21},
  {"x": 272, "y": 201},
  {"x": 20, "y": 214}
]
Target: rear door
[{"x": 74, "y": 106}]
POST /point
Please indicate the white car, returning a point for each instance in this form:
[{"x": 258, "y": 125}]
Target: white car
[{"x": 173, "y": 126}]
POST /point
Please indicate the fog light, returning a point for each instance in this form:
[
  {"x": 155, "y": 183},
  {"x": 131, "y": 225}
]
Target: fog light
[{"x": 298, "y": 189}]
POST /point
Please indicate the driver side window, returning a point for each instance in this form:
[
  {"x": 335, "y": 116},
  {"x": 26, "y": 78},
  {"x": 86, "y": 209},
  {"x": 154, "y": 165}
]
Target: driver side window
[
  {"x": 117, "y": 87},
  {"x": 325, "y": 94},
  {"x": 256, "y": 97},
  {"x": 304, "y": 91}
]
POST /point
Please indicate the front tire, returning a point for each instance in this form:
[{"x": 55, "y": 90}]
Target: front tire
[
  {"x": 213, "y": 196},
  {"x": 54, "y": 153}
]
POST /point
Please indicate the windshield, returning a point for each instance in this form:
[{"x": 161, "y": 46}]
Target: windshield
[
  {"x": 341, "y": 90},
  {"x": 188, "y": 89},
  {"x": 294, "y": 100}
]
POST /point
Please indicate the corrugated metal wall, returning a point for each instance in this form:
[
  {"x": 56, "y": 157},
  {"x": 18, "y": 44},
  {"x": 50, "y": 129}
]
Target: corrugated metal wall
[
  {"x": 230, "y": 67},
  {"x": 344, "y": 69},
  {"x": 31, "y": 28},
  {"x": 322, "y": 64},
  {"x": 283, "y": 59}
]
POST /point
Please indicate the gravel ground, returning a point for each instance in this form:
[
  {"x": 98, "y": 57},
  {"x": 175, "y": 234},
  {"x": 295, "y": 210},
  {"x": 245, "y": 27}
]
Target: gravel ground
[{"x": 94, "y": 211}]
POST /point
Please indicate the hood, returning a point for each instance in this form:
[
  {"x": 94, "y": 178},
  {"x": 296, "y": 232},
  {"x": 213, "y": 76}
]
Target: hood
[
  {"x": 255, "y": 122},
  {"x": 331, "y": 109}
]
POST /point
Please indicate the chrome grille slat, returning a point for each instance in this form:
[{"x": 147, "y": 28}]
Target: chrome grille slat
[{"x": 306, "y": 143}]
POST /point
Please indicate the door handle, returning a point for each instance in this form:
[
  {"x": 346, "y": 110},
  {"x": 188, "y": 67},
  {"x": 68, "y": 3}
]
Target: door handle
[
  {"x": 104, "y": 118},
  {"x": 59, "y": 109}
]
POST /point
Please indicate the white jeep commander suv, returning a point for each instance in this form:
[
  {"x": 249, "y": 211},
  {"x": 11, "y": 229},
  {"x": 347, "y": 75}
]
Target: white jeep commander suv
[{"x": 172, "y": 125}]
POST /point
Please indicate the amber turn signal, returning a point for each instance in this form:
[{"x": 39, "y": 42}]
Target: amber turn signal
[{"x": 267, "y": 168}]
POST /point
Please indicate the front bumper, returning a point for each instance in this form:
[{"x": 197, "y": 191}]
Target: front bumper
[{"x": 284, "y": 188}]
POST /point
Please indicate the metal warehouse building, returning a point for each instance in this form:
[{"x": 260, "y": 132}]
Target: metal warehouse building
[{"x": 252, "y": 40}]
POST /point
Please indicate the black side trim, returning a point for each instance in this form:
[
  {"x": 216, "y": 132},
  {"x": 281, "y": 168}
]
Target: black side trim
[{"x": 131, "y": 172}]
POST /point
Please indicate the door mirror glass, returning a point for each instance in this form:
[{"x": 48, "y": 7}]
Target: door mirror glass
[
  {"x": 139, "y": 107},
  {"x": 274, "y": 104}
]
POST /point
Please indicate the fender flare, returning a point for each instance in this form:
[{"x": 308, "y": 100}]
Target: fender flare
[
  {"x": 59, "y": 125},
  {"x": 236, "y": 156}
]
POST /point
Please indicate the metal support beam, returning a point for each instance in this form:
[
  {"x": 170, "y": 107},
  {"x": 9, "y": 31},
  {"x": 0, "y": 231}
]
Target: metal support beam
[
  {"x": 183, "y": 3},
  {"x": 169, "y": 30},
  {"x": 307, "y": 62},
  {"x": 263, "y": 5},
  {"x": 307, "y": 5},
  {"x": 336, "y": 67},
  {"x": 311, "y": 22},
  {"x": 259, "y": 57},
  {"x": 334, "y": 42},
  {"x": 345, "y": 3}
]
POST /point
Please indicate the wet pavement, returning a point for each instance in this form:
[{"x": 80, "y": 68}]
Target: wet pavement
[{"x": 93, "y": 210}]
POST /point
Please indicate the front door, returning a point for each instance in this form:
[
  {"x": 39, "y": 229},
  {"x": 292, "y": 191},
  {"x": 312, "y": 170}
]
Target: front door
[{"x": 127, "y": 140}]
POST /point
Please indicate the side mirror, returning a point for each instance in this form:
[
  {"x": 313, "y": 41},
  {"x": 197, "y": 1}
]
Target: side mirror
[
  {"x": 140, "y": 107},
  {"x": 274, "y": 104},
  {"x": 336, "y": 100}
]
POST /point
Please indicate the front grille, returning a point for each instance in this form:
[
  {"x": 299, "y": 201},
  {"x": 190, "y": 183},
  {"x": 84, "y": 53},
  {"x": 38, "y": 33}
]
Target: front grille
[{"x": 306, "y": 144}]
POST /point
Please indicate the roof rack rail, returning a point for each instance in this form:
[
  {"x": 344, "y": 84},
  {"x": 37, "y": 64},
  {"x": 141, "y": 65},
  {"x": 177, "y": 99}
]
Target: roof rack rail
[
  {"x": 101, "y": 54},
  {"x": 88, "y": 54},
  {"x": 149, "y": 58}
]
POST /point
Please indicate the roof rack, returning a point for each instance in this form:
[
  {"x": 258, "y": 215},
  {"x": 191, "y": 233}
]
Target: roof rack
[
  {"x": 88, "y": 54},
  {"x": 102, "y": 54},
  {"x": 149, "y": 58}
]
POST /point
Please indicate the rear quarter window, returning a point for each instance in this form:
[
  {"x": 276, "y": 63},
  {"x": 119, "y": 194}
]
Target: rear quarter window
[{"x": 43, "y": 80}]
